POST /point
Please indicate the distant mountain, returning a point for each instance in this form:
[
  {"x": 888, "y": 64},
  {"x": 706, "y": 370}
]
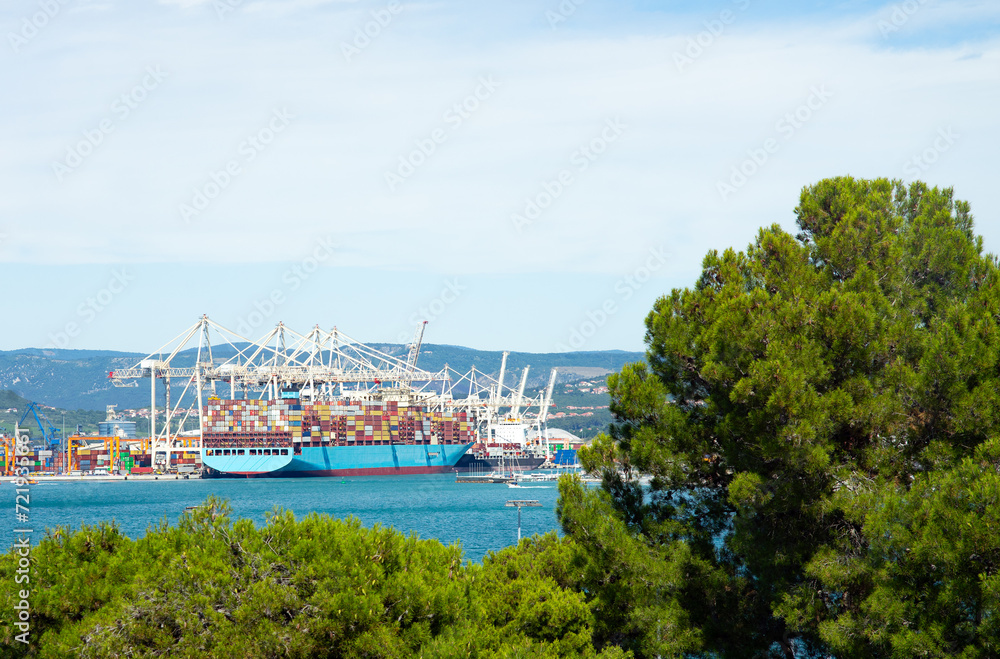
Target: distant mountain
[
  {"x": 70, "y": 379},
  {"x": 78, "y": 379}
]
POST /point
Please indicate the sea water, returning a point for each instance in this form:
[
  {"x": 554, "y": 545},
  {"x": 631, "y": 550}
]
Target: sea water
[{"x": 431, "y": 506}]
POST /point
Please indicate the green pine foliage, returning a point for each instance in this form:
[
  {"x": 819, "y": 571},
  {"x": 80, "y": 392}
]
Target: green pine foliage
[{"x": 819, "y": 415}]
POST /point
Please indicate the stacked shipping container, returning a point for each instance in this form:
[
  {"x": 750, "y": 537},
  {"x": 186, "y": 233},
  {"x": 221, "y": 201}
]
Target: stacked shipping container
[
  {"x": 89, "y": 458},
  {"x": 99, "y": 457},
  {"x": 337, "y": 423}
]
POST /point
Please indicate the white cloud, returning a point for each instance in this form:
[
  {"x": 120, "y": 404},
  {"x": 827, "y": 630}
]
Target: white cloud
[{"x": 686, "y": 130}]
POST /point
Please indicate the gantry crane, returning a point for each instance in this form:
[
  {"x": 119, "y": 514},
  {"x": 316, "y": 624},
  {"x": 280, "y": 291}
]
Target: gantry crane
[{"x": 319, "y": 364}]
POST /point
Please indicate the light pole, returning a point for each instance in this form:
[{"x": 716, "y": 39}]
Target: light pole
[{"x": 521, "y": 503}]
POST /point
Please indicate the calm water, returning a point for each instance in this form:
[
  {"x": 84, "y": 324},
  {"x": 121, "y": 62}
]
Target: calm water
[{"x": 432, "y": 506}]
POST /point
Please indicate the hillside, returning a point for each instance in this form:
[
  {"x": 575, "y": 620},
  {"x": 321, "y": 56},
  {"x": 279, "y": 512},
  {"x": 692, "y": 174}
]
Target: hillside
[
  {"x": 70, "y": 379},
  {"x": 12, "y": 407}
]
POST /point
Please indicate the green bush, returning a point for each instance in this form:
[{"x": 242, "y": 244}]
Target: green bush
[{"x": 314, "y": 587}]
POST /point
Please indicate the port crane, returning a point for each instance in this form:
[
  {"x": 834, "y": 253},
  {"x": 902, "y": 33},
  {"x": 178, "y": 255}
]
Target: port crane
[
  {"x": 319, "y": 364},
  {"x": 50, "y": 434}
]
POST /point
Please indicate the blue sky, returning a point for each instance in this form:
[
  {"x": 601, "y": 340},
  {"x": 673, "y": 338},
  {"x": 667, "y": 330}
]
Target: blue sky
[{"x": 524, "y": 175}]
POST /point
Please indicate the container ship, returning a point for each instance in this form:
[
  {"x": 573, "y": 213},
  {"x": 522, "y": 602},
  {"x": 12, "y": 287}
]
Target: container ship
[{"x": 288, "y": 438}]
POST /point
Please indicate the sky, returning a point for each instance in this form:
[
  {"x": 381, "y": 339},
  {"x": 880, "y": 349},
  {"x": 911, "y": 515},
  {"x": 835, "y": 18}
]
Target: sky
[{"x": 527, "y": 176}]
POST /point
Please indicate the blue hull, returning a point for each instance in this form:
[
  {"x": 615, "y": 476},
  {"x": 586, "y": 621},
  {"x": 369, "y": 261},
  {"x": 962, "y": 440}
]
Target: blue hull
[{"x": 394, "y": 459}]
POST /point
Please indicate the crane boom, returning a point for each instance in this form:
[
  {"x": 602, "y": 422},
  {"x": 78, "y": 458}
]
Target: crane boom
[
  {"x": 418, "y": 339},
  {"x": 516, "y": 409},
  {"x": 548, "y": 397},
  {"x": 503, "y": 372}
]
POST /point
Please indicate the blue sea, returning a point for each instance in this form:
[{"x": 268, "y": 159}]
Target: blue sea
[{"x": 431, "y": 506}]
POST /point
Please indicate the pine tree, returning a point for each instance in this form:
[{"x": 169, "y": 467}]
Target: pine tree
[{"x": 818, "y": 415}]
